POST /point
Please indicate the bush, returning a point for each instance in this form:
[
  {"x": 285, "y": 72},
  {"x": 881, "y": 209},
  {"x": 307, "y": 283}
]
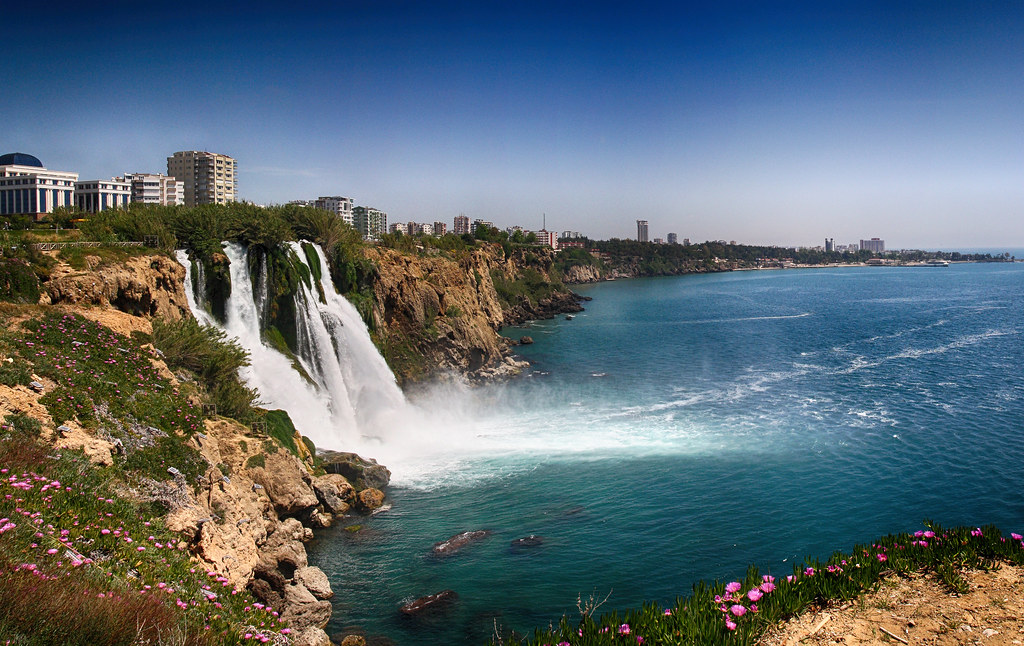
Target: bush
[{"x": 18, "y": 282}]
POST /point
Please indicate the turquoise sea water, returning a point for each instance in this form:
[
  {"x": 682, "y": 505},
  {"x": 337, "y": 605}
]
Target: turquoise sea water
[{"x": 682, "y": 428}]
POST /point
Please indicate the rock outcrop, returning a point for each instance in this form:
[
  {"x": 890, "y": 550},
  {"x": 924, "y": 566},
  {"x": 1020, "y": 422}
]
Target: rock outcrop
[
  {"x": 148, "y": 286},
  {"x": 437, "y": 314}
]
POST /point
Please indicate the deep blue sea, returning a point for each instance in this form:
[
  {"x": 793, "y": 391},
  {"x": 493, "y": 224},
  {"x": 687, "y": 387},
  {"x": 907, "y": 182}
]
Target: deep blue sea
[{"x": 682, "y": 428}]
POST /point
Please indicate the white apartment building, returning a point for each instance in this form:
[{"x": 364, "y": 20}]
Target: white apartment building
[
  {"x": 152, "y": 188},
  {"x": 208, "y": 178},
  {"x": 337, "y": 204},
  {"x": 27, "y": 187},
  {"x": 95, "y": 195},
  {"x": 370, "y": 222},
  {"x": 399, "y": 227},
  {"x": 547, "y": 238}
]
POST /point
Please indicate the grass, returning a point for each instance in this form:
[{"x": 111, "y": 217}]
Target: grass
[{"x": 740, "y": 611}]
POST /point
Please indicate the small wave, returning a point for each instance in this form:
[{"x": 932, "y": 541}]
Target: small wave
[
  {"x": 746, "y": 318},
  {"x": 962, "y": 342},
  {"x": 599, "y": 374}
]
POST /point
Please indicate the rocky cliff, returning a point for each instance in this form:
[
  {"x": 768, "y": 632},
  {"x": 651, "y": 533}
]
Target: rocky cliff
[{"x": 441, "y": 313}]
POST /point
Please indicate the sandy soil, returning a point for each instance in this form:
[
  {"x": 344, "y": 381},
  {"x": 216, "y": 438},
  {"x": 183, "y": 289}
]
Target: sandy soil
[{"x": 918, "y": 610}]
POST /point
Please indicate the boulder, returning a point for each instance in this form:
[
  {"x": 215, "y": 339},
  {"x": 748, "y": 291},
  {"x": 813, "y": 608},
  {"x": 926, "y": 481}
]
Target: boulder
[
  {"x": 459, "y": 541},
  {"x": 370, "y": 499},
  {"x": 303, "y": 615},
  {"x": 353, "y": 640},
  {"x": 431, "y": 603},
  {"x": 525, "y": 340},
  {"x": 334, "y": 492},
  {"x": 311, "y": 636},
  {"x": 314, "y": 579},
  {"x": 363, "y": 473},
  {"x": 286, "y": 483}
]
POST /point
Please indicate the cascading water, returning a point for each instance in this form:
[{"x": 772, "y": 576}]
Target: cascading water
[{"x": 350, "y": 396}]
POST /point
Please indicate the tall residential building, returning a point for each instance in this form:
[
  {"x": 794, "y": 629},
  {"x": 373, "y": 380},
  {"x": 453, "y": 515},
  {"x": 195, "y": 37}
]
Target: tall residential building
[
  {"x": 440, "y": 228},
  {"x": 478, "y": 223},
  {"x": 673, "y": 238},
  {"x": 370, "y": 222},
  {"x": 641, "y": 230},
  {"x": 874, "y": 244},
  {"x": 95, "y": 195},
  {"x": 337, "y": 204},
  {"x": 830, "y": 244},
  {"x": 461, "y": 224},
  {"x": 399, "y": 227},
  {"x": 208, "y": 178},
  {"x": 27, "y": 187},
  {"x": 151, "y": 188}
]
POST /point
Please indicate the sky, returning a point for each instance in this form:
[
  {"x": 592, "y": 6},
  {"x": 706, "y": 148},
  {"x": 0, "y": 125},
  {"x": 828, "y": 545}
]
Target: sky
[{"x": 761, "y": 122}]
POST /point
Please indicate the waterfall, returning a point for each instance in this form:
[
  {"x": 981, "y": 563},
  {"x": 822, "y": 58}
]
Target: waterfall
[{"x": 350, "y": 395}]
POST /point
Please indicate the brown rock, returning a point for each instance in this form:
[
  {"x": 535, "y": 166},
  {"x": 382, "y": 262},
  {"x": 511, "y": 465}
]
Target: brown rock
[
  {"x": 353, "y": 640},
  {"x": 459, "y": 541},
  {"x": 311, "y": 636},
  {"x": 314, "y": 580},
  {"x": 334, "y": 492},
  {"x": 430, "y": 603},
  {"x": 286, "y": 483},
  {"x": 370, "y": 499},
  {"x": 141, "y": 285},
  {"x": 303, "y": 615}
]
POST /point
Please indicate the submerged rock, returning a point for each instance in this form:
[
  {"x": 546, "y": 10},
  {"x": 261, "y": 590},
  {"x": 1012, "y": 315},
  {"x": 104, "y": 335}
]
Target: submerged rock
[
  {"x": 527, "y": 541},
  {"x": 430, "y": 603},
  {"x": 459, "y": 541}
]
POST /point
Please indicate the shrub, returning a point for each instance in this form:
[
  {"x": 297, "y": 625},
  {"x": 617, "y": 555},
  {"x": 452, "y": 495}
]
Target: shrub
[{"x": 18, "y": 282}]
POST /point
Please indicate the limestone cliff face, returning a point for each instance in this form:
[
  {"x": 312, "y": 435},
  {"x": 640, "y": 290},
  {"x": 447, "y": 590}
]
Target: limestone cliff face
[
  {"x": 442, "y": 309},
  {"x": 142, "y": 285}
]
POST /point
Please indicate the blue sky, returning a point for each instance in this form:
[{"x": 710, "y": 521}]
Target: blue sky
[{"x": 761, "y": 122}]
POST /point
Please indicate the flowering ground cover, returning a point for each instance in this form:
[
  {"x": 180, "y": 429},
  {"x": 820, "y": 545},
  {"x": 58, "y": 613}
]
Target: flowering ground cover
[
  {"x": 739, "y": 612},
  {"x": 81, "y": 560}
]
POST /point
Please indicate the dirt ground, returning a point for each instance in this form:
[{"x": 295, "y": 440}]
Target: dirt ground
[{"x": 918, "y": 610}]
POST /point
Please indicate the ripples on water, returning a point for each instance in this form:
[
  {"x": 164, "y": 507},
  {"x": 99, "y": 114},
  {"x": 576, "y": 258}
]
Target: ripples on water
[{"x": 682, "y": 428}]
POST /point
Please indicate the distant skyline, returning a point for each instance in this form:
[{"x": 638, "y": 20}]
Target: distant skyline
[{"x": 761, "y": 122}]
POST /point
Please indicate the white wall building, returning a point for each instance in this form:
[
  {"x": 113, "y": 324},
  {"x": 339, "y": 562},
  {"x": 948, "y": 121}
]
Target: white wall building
[
  {"x": 337, "y": 204},
  {"x": 152, "y": 188},
  {"x": 95, "y": 195},
  {"x": 547, "y": 238},
  {"x": 27, "y": 187}
]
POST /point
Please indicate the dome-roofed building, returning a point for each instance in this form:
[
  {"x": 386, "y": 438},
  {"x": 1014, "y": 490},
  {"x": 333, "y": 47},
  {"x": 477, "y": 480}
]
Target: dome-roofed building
[
  {"x": 27, "y": 187},
  {"x": 20, "y": 159}
]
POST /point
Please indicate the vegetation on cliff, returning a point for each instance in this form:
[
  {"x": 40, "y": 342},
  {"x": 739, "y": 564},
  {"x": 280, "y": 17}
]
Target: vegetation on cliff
[
  {"x": 740, "y": 611},
  {"x": 89, "y": 467}
]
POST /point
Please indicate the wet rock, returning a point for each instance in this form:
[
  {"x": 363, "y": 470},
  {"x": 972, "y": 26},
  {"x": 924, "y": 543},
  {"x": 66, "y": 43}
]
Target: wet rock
[
  {"x": 361, "y": 472},
  {"x": 459, "y": 541},
  {"x": 353, "y": 640},
  {"x": 370, "y": 499},
  {"x": 527, "y": 541},
  {"x": 334, "y": 492},
  {"x": 430, "y": 604},
  {"x": 525, "y": 340}
]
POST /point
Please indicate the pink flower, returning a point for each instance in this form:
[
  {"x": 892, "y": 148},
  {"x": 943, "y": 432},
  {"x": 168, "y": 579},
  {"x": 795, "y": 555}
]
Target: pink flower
[
  {"x": 52, "y": 550},
  {"x": 668, "y": 612},
  {"x": 1016, "y": 537},
  {"x": 730, "y": 624},
  {"x": 767, "y": 586},
  {"x": 882, "y": 557},
  {"x": 733, "y": 587},
  {"x": 754, "y": 594},
  {"x": 738, "y": 610},
  {"x": 809, "y": 571},
  {"x": 624, "y": 629}
]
